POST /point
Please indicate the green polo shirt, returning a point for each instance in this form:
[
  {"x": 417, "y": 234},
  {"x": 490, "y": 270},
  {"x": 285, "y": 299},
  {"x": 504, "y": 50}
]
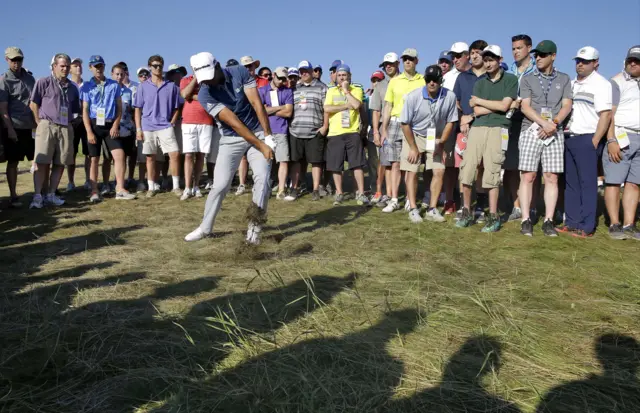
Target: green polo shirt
[{"x": 505, "y": 86}]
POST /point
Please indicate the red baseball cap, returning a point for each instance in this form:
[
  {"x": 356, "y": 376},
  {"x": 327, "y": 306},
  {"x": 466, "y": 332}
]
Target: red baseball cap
[{"x": 377, "y": 75}]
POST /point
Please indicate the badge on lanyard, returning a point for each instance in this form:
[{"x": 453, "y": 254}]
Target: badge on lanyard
[
  {"x": 431, "y": 140},
  {"x": 546, "y": 113},
  {"x": 274, "y": 98},
  {"x": 64, "y": 115},
  {"x": 101, "y": 117},
  {"x": 346, "y": 119},
  {"x": 303, "y": 101},
  {"x": 622, "y": 137},
  {"x": 504, "y": 134}
]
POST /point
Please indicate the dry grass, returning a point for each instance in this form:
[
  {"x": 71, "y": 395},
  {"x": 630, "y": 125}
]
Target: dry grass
[{"x": 106, "y": 309}]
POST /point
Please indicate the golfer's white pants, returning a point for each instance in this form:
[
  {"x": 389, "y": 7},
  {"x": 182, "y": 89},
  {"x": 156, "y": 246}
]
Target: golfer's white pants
[{"x": 230, "y": 152}]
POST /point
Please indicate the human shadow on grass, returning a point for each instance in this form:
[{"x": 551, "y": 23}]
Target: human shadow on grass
[
  {"x": 340, "y": 215},
  {"x": 19, "y": 226},
  {"x": 615, "y": 390},
  {"x": 352, "y": 373},
  {"x": 461, "y": 389}
]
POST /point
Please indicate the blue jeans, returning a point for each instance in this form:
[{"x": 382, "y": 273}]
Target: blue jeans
[{"x": 581, "y": 190}]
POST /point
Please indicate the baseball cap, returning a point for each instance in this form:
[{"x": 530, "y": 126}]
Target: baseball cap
[
  {"x": 546, "y": 46},
  {"x": 13, "y": 52},
  {"x": 293, "y": 72},
  {"x": 493, "y": 50},
  {"x": 280, "y": 71},
  {"x": 204, "y": 66},
  {"x": 76, "y": 59},
  {"x": 446, "y": 56},
  {"x": 317, "y": 67},
  {"x": 335, "y": 64},
  {"x": 389, "y": 58},
  {"x": 588, "y": 53},
  {"x": 142, "y": 69},
  {"x": 343, "y": 68},
  {"x": 377, "y": 75},
  {"x": 175, "y": 68},
  {"x": 247, "y": 60},
  {"x": 459, "y": 47},
  {"x": 232, "y": 62},
  {"x": 410, "y": 53},
  {"x": 634, "y": 51},
  {"x": 305, "y": 64},
  {"x": 433, "y": 72},
  {"x": 96, "y": 60}
]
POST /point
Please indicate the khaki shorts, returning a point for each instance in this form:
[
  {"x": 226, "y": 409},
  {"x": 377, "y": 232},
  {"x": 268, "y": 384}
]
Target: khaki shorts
[
  {"x": 484, "y": 147},
  {"x": 54, "y": 143},
  {"x": 430, "y": 160},
  {"x": 164, "y": 139}
]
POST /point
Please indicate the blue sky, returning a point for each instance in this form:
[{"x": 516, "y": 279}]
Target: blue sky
[{"x": 359, "y": 32}]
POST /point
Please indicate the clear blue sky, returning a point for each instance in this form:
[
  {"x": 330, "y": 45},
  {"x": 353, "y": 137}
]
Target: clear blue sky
[{"x": 359, "y": 32}]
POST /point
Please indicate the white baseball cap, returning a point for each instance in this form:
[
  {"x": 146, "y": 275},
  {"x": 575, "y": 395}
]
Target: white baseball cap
[
  {"x": 76, "y": 59},
  {"x": 389, "y": 58},
  {"x": 492, "y": 49},
  {"x": 305, "y": 64},
  {"x": 588, "y": 53},
  {"x": 204, "y": 66},
  {"x": 143, "y": 69},
  {"x": 459, "y": 47},
  {"x": 280, "y": 71}
]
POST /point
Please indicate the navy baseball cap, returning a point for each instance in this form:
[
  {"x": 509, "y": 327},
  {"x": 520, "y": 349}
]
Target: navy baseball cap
[
  {"x": 433, "y": 72},
  {"x": 317, "y": 67},
  {"x": 232, "y": 62},
  {"x": 96, "y": 60},
  {"x": 446, "y": 56},
  {"x": 335, "y": 64},
  {"x": 343, "y": 68}
]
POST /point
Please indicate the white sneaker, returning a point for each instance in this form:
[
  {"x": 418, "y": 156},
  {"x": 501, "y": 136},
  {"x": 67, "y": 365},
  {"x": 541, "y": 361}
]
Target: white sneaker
[
  {"x": 414, "y": 216},
  {"x": 209, "y": 186},
  {"x": 241, "y": 189},
  {"x": 71, "y": 186},
  {"x": 196, "y": 192},
  {"x": 36, "y": 203},
  {"x": 253, "y": 234},
  {"x": 407, "y": 205},
  {"x": 186, "y": 194},
  {"x": 157, "y": 187},
  {"x": 391, "y": 206},
  {"x": 52, "y": 199},
  {"x": 434, "y": 215},
  {"x": 195, "y": 235}
]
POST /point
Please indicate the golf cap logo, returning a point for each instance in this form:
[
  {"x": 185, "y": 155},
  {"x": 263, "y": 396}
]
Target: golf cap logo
[
  {"x": 195, "y": 69},
  {"x": 583, "y": 51}
]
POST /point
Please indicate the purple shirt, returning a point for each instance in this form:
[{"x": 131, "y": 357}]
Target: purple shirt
[
  {"x": 50, "y": 95},
  {"x": 157, "y": 104},
  {"x": 285, "y": 97}
]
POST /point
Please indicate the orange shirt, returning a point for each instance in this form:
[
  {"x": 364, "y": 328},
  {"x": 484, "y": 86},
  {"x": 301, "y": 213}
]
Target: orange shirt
[{"x": 193, "y": 113}]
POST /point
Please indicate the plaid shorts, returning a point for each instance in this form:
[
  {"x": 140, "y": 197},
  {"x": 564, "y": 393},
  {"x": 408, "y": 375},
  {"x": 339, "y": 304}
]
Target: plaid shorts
[
  {"x": 533, "y": 151},
  {"x": 392, "y": 148}
]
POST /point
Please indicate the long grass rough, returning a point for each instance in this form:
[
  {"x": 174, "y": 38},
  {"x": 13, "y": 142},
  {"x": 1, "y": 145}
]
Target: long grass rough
[{"x": 342, "y": 309}]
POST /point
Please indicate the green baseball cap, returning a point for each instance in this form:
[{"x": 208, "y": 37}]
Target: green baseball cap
[{"x": 546, "y": 46}]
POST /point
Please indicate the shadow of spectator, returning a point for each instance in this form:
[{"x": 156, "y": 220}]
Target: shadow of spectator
[
  {"x": 615, "y": 390},
  {"x": 340, "y": 215},
  {"x": 353, "y": 373},
  {"x": 461, "y": 389}
]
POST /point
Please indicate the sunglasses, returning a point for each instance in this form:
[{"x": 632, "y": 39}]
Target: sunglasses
[
  {"x": 457, "y": 55},
  {"x": 145, "y": 74},
  {"x": 99, "y": 66},
  {"x": 317, "y": 70},
  {"x": 541, "y": 55},
  {"x": 157, "y": 66},
  {"x": 584, "y": 61},
  {"x": 409, "y": 58},
  {"x": 632, "y": 60},
  {"x": 282, "y": 79},
  {"x": 17, "y": 59},
  {"x": 265, "y": 74},
  {"x": 430, "y": 79},
  {"x": 293, "y": 77}
]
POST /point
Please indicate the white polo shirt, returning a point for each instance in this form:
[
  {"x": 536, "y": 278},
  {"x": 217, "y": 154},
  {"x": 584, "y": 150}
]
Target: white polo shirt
[
  {"x": 449, "y": 79},
  {"x": 590, "y": 97},
  {"x": 626, "y": 96}
]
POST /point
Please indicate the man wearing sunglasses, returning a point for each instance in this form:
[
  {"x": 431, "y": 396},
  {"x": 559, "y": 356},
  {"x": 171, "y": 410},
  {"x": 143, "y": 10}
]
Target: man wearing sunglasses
[
  {"x": 156, "y": 112},
  {"x": 101, "y": 113},
  {"x": 428, "y": 116},
  {"x": 592, "y": 104},
  {"x": 317, "y": 72},
  {"x": 390, "y": 64},
  {"x": 278, "y": 102},
  {"x": 230, "y": 96},
  {"x": 621, "y": 157},
  {"x": 492, "y": 97},
  {"x": 16, "y": 86},
  {"x": 391, "y": 136},
  {"x": 307, "y": 132},
  {"x": 546, "y": 103}
]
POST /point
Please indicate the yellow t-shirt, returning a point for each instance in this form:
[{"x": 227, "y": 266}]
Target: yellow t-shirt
[
  {"x": 336, "y": 97},
  {"x": 400, "y": 86}
]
